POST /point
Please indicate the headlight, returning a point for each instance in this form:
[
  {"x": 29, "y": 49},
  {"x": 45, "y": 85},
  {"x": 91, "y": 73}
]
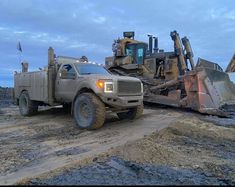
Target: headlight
[
  {"x": 108, "y": 87},
  {"x": 142, "y": 88}
]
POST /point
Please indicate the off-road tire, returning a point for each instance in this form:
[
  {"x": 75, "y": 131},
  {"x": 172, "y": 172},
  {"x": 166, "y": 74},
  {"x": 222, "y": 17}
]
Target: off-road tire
[
  {"x": 133, "y": 113},
  {"x": 89, "y": 111},
  {"x": 27, "y": 107}
]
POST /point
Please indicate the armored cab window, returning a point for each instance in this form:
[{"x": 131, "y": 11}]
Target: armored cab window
[
  {"x": 130, "y": 49},
  {"x": 67, "y": 72},
  {"x": 137, "y": 51}
]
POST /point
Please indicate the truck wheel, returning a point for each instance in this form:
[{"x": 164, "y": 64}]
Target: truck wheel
[
  {"x": 89, "y": 111},
  {"x": 133, "y": 113},
  {"x": 27, "y": 107}
]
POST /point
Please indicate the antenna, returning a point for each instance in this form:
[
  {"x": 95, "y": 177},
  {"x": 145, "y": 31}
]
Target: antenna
[{"x": 19, "y": 48}]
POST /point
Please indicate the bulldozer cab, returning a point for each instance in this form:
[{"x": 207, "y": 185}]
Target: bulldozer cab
[
  {"x": 128, "y": 53},
  {"x": 136, "y": 51}
]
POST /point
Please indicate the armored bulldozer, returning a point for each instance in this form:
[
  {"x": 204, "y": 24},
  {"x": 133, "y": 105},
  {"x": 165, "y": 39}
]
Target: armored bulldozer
[{"x": 172, "y": 78}]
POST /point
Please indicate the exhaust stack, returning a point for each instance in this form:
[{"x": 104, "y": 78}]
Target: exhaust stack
[
  {"x": 25, "y": 66},
  {"x": 51, "y": 76},
  {"x": 155, "y": 49},
  {"x": 150, "y": 44}
]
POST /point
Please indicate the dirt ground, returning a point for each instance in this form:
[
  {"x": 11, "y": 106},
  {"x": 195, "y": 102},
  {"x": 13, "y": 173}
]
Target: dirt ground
[{"x": 164, "y": 146}]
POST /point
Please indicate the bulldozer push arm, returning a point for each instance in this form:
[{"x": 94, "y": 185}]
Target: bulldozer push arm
[
  {"x": 189, "y": 51},
  {"x": 231, "y": 65},
  {"x": 179, "y": 52}
]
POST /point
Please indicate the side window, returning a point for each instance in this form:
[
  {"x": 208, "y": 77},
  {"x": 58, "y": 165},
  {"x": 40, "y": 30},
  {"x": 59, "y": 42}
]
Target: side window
[
  {"x": 129, "y": 52},
  {"x": 140, "y": 56},
  {"x": 140, "y": 52},
  {"x": 67, "y": 72}
]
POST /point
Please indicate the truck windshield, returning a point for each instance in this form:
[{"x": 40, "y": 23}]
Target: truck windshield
[{"x": 85, "y": 69}]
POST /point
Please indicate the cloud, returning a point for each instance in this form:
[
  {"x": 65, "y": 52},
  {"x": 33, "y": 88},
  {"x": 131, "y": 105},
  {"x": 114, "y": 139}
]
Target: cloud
[
  {"x": 230, "y": 15},
  {"x": 86, "y": 27},
  {"x": 99, "y": 20}
]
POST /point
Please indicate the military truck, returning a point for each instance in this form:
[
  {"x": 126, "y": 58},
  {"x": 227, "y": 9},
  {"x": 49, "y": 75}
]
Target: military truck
[{"x": 88, "y": 88}]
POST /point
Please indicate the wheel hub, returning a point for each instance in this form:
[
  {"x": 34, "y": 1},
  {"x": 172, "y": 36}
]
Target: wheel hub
[{"x": 85, "y": 110}]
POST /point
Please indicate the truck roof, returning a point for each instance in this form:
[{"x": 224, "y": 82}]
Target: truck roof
[{"x": 66, "y": 59}]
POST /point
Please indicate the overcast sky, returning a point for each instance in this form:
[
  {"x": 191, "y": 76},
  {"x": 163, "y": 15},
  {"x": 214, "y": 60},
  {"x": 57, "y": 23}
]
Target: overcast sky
[{"x": 85, "y": 27}]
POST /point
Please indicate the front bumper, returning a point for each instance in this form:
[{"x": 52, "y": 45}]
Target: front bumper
[{"x": 123, "y": 101}]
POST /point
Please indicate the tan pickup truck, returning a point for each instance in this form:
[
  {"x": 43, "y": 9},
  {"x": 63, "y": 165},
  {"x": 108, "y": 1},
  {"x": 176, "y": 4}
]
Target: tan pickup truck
[{"x": 88, "y": 88}]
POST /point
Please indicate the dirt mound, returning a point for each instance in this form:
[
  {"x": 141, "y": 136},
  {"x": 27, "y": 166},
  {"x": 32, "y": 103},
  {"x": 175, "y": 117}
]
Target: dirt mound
[{"x": 190, "y": 143}]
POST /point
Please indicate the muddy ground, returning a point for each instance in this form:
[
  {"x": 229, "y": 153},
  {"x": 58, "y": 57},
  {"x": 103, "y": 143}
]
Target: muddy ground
[{"x": 164, "y": 146}]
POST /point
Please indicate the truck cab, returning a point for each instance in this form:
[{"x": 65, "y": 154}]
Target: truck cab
[{"x": 115, "y": 91}]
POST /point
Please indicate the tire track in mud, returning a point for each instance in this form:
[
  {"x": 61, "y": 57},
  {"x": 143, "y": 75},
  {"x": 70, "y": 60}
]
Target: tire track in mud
[
  {"x": 51, "y": 139},
  {"x": 189, "y": 152}
]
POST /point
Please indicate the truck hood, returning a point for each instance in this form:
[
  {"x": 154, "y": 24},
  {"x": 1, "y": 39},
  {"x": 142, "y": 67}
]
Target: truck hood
[{"x": 113, "y": 77}]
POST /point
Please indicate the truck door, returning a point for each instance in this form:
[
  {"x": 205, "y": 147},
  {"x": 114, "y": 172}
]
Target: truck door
[{"x": 65, "y": 83}]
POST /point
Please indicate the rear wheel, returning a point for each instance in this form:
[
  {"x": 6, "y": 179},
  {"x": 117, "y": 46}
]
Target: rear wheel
[
  {"x": 89, "y": 111},
  {"x": 132, "y": 113},
  {"x": 27, "y": 107}
]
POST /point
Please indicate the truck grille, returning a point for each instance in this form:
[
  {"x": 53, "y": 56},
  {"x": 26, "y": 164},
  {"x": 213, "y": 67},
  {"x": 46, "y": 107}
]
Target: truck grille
[{"x": 129, "y": 88}]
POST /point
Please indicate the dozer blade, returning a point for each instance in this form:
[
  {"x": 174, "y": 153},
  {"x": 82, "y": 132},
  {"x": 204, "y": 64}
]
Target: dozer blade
[{"x": 209, "y": 91}]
